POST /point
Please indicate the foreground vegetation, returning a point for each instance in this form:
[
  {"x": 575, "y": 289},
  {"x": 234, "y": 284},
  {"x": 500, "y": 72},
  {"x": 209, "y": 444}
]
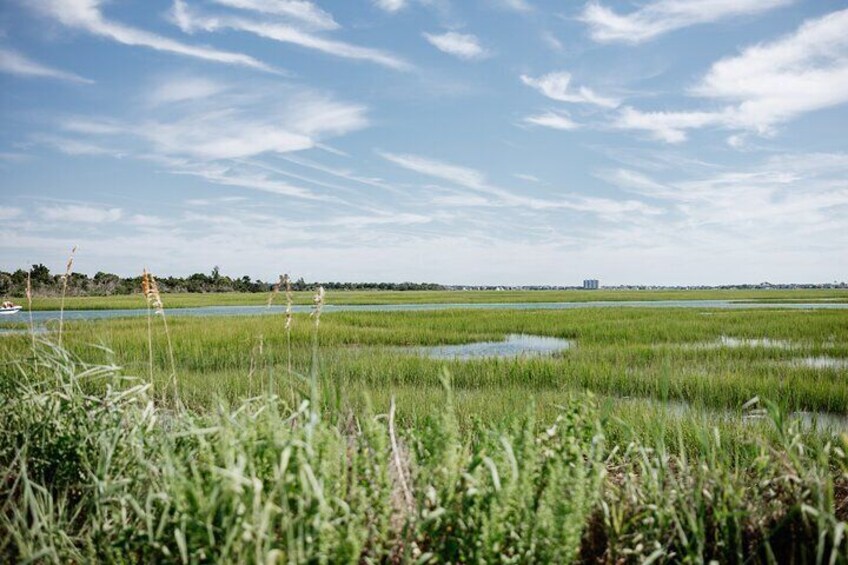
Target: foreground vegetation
[
  {"x": 187, "y": 300},
  {"x": 95, "y": 468},
  {"x": 269, "y": 439}
]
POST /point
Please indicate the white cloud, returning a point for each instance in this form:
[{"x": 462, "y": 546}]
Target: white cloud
[
  {"x": 553, "y": 120},
  {"x": 221, "y": 133},
  {"x": 86, "y": 15},
  {"x": 390, "y": 5},
  {"x": 774, "y": 82},
  {"x": 80, "y": 213},
  {"x": 234, "y": 126},
  {"x": 763, "y": 86},
  {"x": 668, "y": 126},
  {"x": 556, "y": 87},
  {"x": 662, "y": 16},
  {"x": 462, "y": 45},
  {"x": 462, "y": 176},
  {"x": 184, "y": 88},
  {"x": 300, "y": 10},
  {"x": 190, "y": 20},
  {"x": 219, "y": 138},
  {"x": 17, "y": 64}
]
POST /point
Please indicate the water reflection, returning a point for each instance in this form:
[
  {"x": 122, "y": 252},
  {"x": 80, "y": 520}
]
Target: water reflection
[{"x": 514, "y": 345}]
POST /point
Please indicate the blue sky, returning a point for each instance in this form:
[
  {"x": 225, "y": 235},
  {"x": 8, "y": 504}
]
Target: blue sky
[{"x": 473, "y": 141}]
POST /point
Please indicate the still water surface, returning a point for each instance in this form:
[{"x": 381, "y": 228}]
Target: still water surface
[{"x": 47, "y": 315}]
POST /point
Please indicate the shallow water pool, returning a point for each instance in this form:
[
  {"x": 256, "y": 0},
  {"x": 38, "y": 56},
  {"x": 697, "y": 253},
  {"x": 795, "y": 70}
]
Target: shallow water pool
[{"x": 514, "y": 345}]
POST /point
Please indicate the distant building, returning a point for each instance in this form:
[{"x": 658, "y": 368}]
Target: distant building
[{"x": 590, "y": 284}]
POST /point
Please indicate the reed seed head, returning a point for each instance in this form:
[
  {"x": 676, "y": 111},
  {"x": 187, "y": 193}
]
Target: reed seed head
[
  {"x": 318, "y": 305},
  {"x": 286, "y": 281},
  {"x": 151, "y": 292}
]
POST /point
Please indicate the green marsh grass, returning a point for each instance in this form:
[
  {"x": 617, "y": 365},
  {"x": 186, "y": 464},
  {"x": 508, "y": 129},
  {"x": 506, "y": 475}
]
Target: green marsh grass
[
  {"x": 655, "y": 354},
  {"x": 185, "y": 300},
  {"x": 278, "y": 440}
]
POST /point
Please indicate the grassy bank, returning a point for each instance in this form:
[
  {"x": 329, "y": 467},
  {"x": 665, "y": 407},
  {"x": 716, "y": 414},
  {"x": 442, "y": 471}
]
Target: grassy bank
[{"x": 443, "y": 297}]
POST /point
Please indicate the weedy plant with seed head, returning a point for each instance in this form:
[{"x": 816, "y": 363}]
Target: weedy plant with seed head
[
  {"x": 65, "y": 277},
  {"x": 150, "y": 289}
]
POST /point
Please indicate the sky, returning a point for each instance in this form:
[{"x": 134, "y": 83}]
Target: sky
[{"x": 457, "y": 141}]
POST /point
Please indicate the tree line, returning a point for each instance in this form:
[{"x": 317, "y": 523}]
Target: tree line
[{"x": 107, "y": 284}]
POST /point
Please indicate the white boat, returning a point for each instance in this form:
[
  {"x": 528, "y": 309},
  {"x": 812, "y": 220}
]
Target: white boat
[{"x": 9, "y": 310}]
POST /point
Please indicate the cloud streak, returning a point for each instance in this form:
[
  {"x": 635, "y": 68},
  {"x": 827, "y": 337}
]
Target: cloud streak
[
  {"x": 552, "y": 120},
  {"x": 612, "y": 210},
  {"x": 191, "y": 20},
  {"x": 556, "y": 87},
  {"x": 461, "y": 45},
  {"x": 15, "y": 63},
  {"x": 86, "y": 15},
  {"x": 663, "y": 16},
  {"x": 304, "y": 12}
]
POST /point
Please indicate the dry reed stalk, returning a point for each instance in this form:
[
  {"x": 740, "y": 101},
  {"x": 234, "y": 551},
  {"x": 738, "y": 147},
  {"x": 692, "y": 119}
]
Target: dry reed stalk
[
  {"x": 287, "y": 284},
  {"x": 317, "y": 308},
  {"x": 318, "y": 305},
  {"x": 154, "y": 300},
  {"x": 275, "y": 290},
  {"x": 407, "y": 494},
  {"x": 145, "y": 291},
  {"x": 65, "y": 277},
  {"x": 29, "y": 305}
]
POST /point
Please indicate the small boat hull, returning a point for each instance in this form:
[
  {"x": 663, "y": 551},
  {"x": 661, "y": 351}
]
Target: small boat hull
[{"x": 10, "y": 311}]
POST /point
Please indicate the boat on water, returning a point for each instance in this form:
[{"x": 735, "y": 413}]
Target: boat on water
[{"x": 7, "y": 309}]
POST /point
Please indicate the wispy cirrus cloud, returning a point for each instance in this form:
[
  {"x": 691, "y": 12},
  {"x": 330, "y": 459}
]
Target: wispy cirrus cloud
[
  {"x": 607, "y": 209},
  {"x": 86, "y": 15},
  {"x": 184, "y": 88},
  {"x": 764, "y": 86},
  {"x": 781, "y": 197},
  {"x": 190, "y": 20},
  {"x": 556, "y": 86},
  {"x": 16, "y": 63},
  {"x": 302, "y": 11},
  {"x": 462, "y": 45},
  {"x": 194, "y": 126},
  {"x": 80, "y": 213},
  {"x": 552, "y": 119},
  {"x": 662, "y": 16},
  {"x": 229, "y": 125}
]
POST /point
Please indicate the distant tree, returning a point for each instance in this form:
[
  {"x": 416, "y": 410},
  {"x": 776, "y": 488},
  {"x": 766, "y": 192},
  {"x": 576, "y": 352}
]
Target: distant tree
[
  {"x": 41, "y": 275},
  {"x": 6, "y": 284}
]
